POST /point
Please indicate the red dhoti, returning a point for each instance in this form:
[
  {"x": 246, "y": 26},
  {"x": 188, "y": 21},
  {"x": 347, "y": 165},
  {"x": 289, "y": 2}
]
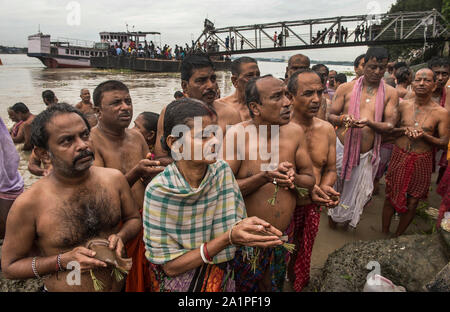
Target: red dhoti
[
  {"x": 409, "y": 174},
  {"x": 444, "y": 190},
  {"x": 306, "y": 221}
]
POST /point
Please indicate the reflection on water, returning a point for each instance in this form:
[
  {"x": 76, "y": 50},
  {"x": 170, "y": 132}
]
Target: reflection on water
[{"x": 22, "y": 79}]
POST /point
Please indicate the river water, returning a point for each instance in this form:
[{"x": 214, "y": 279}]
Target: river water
[{"x": 23, "y": 78}]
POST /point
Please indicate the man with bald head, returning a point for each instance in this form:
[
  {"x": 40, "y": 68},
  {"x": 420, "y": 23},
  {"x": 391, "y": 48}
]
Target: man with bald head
[
  {"x": 411, "y": 165},
  {"x": 297, "y": 62},
  {"x": 86, "y": 107},
  {"x": 269, "y": 193},
  {"x": 242, "y": 70}
]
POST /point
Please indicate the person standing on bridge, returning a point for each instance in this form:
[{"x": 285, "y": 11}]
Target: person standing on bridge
[
  {"x": 275, "y": 40},
  {"x": 362, "y": 110}
]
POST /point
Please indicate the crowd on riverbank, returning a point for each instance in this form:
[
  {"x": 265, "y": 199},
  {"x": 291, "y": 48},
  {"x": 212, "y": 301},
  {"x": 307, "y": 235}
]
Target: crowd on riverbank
[{"x": 142, "y": 203}]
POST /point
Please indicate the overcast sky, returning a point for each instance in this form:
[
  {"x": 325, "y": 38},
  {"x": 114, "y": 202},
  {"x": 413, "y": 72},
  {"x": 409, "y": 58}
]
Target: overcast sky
[{"x": 179, "y": 21}]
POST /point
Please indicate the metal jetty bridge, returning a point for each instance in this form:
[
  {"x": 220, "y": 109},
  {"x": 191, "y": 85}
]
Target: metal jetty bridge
[{"x": 343, "y": 31}]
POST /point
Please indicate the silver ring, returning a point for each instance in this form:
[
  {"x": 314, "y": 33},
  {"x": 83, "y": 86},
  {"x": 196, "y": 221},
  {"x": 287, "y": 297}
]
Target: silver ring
[{"x": 274, "y": 181}]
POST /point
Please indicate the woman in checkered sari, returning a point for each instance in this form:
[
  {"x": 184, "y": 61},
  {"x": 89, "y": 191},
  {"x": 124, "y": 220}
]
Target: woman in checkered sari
[{"x": 194, "y": 213}]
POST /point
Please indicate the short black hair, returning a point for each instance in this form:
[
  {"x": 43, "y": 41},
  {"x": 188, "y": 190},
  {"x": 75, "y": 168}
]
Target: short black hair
[
  {"x": 403, "y": 74},
  {"x": 293, "y": 81},
  {"x": 341, "y": 78},
  {"x": 109, "y": 85},
  {"x": 358, "y": 60},
  {"x": 178, "y": 94},
  {"x": 150, "y": 121},
  {"x": 379, "y": 53},
  {"x": 192, "y": 62},
  {"x": 317, "y": 67},
  {"x": 236, "y": 64},
  {"x": 39, "y": 134},
  {"x": 48, "y": 95},
  {"x": 398, "y": 65},
  {"x": 252, "y": 92},
  {"x": 19, "y": 108},
  {"x": 438, "y": 62},
  {"x": 180, "y": 112}
]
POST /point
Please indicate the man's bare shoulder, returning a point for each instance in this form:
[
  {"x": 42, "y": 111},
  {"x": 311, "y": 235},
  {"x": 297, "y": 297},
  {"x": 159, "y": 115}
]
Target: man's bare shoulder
[
  {"x": 346, "y": 87},
  {"x": 439, "y": 110},
  {"x": 107, "y": 173},
  {"x": 291, "y": 128},
  {"x": 323, "y": 125},
  {"x": 242, "y": 124},
  {"x": 79, "y": 105},
  {"x": 390, "y": 91},
  {"x": 225, "y": 100}
]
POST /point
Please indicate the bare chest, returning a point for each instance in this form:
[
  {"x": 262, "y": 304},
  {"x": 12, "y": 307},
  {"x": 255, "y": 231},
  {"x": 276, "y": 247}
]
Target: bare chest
[
  {"x": 70, "y": 220},
  {"x": 123, "y": 155}
]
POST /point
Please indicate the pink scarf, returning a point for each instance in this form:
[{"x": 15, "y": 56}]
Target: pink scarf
[{"x": 352, "y": 141}]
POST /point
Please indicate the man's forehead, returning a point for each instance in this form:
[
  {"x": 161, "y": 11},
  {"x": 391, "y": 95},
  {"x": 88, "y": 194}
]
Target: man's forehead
[
  {"x": 249, "y": 67},
  {"x": 441, "y": 68},
  {"x": 309, "y": 79},
  {"x": 65, "y": 123},
  {"x": 269, "y": 85},
  {"x": 425, "y": 72},
  {"x": 116, "y": 94},
  {"x": 203, "y": 72},
  {"x": 374, "y": 60}
]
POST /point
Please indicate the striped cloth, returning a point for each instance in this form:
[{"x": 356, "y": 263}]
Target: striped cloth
[
  {"x": 178, "y": 218},
  {"x": 409, "y": 173}
]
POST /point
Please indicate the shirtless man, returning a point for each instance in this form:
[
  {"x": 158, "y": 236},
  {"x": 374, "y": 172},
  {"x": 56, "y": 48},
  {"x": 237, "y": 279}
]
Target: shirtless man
[
  {"x": 198, "y": 81},
  {"x": 124, "y": 149},
  {"x": 115, "y": 145},
  {"x": 61, "y": 212},
  {"x": 358, "y": 66},
  {"x": 441, "y": 95},
  {"x": 86, "y": 107},
  {"x": 268, "y": 105},
  {"x": 322, "y": 71},
  {"x": 23, "y": 133},
  {"x": 297, "y": 62},
  {"x": 403, "y": 76},
  {"x": 306, "y": 89},
  {"x": 409, "y": 173},
  {"x": 242, "y": 70},
  {"x": 38, "y": 164},
  {"x": 355, "y": 106},
  {"x": 49, "y": 98}
]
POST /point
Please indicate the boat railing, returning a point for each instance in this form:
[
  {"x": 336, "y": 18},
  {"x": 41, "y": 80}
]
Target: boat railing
[{"x": 74, "y": 42}]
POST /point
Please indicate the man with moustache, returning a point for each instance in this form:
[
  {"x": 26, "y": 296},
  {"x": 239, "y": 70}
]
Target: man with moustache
[
  {"x": 306, "y": 89},
  {"x": 322, "y": 71},
  {"x": 409, "y": 174},
  {"x": 61, "y": 212},
  {"x": 269, "y": 193},
  {"x": 124, "y": 149},
  {"x": 242, "y": 70},
  {"x": 362, "y": 110},
  {"x": 198, "y": 81}
]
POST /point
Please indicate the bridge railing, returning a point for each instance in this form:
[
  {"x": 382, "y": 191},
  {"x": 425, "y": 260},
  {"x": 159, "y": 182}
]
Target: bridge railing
[{"x": 313, "y": 33}]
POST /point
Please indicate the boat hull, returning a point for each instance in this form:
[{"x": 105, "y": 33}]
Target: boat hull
[{"x": 62, "y": 61}]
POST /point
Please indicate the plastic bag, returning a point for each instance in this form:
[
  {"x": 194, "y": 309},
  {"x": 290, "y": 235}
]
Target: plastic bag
[{"x": 378, "y": 283}]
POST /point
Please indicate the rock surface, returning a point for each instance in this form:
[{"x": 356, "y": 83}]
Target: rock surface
[{"x": 411, "y": 261}]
